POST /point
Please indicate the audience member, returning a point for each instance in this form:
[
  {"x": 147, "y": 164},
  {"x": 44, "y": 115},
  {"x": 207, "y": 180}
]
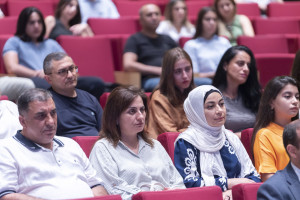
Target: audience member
[
  {"x": 206, "y": 153},
  {"x": 24, "y": 53},
  {"x": 12, "y": 86},
  {"x": 206, "y": 48},
  {"x": 9, "y": 119},
  {"x": 236, "y": 78},
  {"x": 285, "y": 183},
  {"x": 97, "y": 8},
  {"x": 79, "y": 113},
  {"x": 166, "y": 112},
  {"x": 37, "y": 164},
  {"x": 67, "y": 21},
  {"x": 144, "y": 50},
  {"x": 261, "y": 3},
  {"x": 125, "y": 158},
  {"x": 232, "y": 25},
  {"x": 176, "y": 23},
  {"x": 279, "y": 105}
]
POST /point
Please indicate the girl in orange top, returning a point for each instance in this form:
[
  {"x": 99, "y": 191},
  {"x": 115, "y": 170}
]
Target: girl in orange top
[{"x": 279, "y": 105}]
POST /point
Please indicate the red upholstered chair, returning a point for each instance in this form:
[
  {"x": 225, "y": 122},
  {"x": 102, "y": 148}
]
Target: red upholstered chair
[
  {"x": 3, "y": 97},
  {"x": 14, "y": 7},
  {"x": 131, "y": 8},
  {"x": 251, "y": 10},
  {"x": 108, "y": 197},
  {"x": 167, "y": 141},
  {"x": 271, "y": 65},
  {"x": 194, "y": 7},
  {"x": 93, "y": 55},
  {"x": 246, "y": 136},
  {"x": 245, "y": 191},
  {"x": 86, "y": 143},
  {"x": 265, "y": 43},
  {"x": 183, "y": 40},
  {"x": 276, "y": 26},
  {"x": 123, "y": 25},
  {"x": 286, "y": 9},
  {"x": 198, "y": 193},
  {"x": 8, "y": 25}
]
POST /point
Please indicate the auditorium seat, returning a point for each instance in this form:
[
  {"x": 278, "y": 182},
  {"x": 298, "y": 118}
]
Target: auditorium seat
[
  {"x": 125, "y": 25},
  {"x": 286, "y": 9},
  {"x": 265, "y": 43},
  {"x": 276, "y": 26},
  {"x": 271, "y": 65},
  {"x": 3, "y": 97},
  {"x": 183, "y": 40},
  {"x": 197, "y": 193},
  {"x": 193, "y": 7},
  {"x": 14, "y": 7},
  {"x": 251, "y": 10},
  {"x": 93, "y": 55},
  {"x": 245, "y": 191},
  {"x": 86, "y": 143},
  {"x": 8, "y": 25},
  {"x": 246, "y": 136},
  {"x": 107, "y": 197},
  {"x": 167, "y": 140}
]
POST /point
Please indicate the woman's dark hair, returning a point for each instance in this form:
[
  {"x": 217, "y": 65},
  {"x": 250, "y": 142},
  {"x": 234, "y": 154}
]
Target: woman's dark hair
[
  {"x": 250, "y": 90},
  {"x": 23, "y": 21},
  {"x": 167, "y": 83},
  {"x": 266, "y": 114},
  {"x": 118, "y": 101},
  {"x": 218, "y": 12},
  {"x": 199, "y": 23},
  {"x": 61, "y": 6}
]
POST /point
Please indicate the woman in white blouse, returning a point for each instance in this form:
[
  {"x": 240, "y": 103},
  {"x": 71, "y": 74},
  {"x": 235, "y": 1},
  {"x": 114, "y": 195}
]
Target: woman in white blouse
[
  {"x": 176, "y": 24},
  {"x": 124, "y": 157}
]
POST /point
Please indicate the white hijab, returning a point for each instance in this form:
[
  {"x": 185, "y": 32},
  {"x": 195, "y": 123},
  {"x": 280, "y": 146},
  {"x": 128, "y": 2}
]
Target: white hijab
[{"x": 209, "y": 140}]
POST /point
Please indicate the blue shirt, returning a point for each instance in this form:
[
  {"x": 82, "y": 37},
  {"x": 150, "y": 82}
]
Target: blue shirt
[
  {"x": 187, "y": 162},
  {"x": 30, "y": 54}
]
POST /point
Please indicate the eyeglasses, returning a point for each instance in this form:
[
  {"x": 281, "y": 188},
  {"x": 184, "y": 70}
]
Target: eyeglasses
[{"x": 64, "y": 72}]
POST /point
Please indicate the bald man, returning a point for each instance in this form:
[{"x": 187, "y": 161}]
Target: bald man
[{"x": 144, "y": 50}]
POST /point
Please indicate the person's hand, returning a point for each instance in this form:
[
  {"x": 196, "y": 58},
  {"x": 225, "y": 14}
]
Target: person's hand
[
  {"x": 39, "y": 73},
  {"x": 235, "y": 181},
  {"x": 77, "y": 29},
  {"x": 227, "y": 195}
]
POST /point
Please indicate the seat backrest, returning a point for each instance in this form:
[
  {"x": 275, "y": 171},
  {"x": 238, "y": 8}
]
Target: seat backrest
[
  {"x": 271, "y": 65},
  {"x": 131, "y": 8},
  {"x": 3, "y": 97},
  {"x": 197, "y": 193},
  {"x": 193, "y": 7},
  {"x": 251, "y": 10},
  {"x": 124, "y": 25},
  {"x": 103, "y": 99},
  {"x": 276, "y": 26},
  {"x": 246, "y": 137},
  {"x": 183, "y": 40},
  {"x": 245, "y": 191},
  {"x": 265, "y": 43},
  {"x": 8, "y": 25},
  {"x": 286, "y": 9},
  {"x": 167, "y": 141},
  {"x": 107, "y": 197},
  {"x": 15, "y": 7},
  {"x": 86, "y": 143},
  {"x": 93, "y": 55}
]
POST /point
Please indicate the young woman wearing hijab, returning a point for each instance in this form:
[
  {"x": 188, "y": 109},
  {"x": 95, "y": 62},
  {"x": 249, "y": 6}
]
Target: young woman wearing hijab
[{"x": 206, "y": 153}]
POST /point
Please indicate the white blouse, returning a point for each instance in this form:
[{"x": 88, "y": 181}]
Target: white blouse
[{"x": 126, "y": 173}]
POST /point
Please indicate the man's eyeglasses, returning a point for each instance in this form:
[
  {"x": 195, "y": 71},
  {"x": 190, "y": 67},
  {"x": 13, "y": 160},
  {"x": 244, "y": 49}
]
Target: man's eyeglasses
[{"x": 64, "y": 72}]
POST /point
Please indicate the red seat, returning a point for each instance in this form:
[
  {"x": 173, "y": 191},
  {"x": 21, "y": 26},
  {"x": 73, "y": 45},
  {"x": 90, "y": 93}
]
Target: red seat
[
  {"x": 108, "y": 197},
  {"x": 251, "y": 10},
  {"x": 86, "y": 143},
  {"x": 167, "y": 141},
  {"x": 8, "y": 25},
  {"x": 276, "y": 26},
  {"x": 246, "y": 137},
  {"x": 193, "y": 7},
  {"x": 183, "y": 40},
  {"x": 265, "y": 43},
  {"x": 128, "y": 25},
  {"x": 271, "y": 65},
  {"x": 131, "y": 8},
  {"x": 286, "y": 9},
  {"x": 93, "y": 55},
  {"x": 3, "y": 97},
  {"x": 14, "y": 7},
  {"x": 3, "y": 39},
  {"x": 245, "y": 191},
  {"x": 197, "y": 193}
]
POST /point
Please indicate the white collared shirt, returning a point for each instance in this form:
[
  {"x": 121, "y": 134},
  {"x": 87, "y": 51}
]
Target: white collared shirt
[{"x": 61, "y": 173}]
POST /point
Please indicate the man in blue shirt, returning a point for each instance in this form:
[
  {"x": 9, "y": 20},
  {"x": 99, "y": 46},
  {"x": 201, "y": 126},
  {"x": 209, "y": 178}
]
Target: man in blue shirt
[{"x": 79, "y": 113}]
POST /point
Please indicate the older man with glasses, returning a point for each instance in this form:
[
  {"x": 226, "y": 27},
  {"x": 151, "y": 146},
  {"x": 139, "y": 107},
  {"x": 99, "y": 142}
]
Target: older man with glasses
[{"x": 79, "y": 113}]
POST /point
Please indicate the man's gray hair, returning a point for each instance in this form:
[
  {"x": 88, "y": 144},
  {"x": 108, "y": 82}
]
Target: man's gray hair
[
  {"x": 47, "y": 65},
  {"x": 35, "y": 94}
]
